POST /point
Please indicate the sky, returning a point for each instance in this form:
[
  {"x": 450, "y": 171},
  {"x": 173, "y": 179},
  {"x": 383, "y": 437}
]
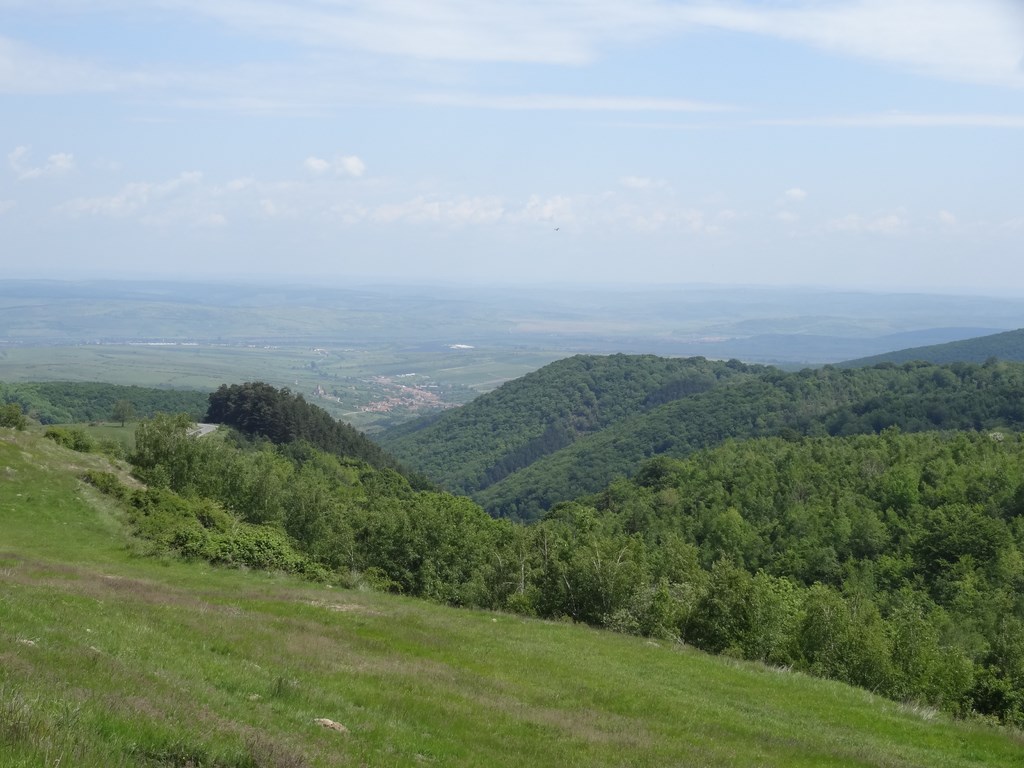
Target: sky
[{"x": 864, "y": 144}]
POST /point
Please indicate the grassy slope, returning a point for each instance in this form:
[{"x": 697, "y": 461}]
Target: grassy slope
[{"x": 108, "y": 658}]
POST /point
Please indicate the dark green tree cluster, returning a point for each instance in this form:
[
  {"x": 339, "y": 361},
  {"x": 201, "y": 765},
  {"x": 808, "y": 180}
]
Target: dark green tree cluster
[
  {"x": 261, "y": 410},
  {"x": 67, "y": 402}
]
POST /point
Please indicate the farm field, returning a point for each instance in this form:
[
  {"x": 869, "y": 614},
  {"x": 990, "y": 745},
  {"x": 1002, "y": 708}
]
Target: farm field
[{"x": 367, "y": 386}]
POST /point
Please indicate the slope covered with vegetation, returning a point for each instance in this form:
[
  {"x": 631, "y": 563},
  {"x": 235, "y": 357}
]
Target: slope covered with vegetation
[
  {"x": 825, "y": 554},
  {"x": 750, "y": 401},
  {"x": 1008, "y": 345},
  {"x": 66, "y": 402},
  {"x": 114, "y": 659},
  {"x": 496, "y": 435}
]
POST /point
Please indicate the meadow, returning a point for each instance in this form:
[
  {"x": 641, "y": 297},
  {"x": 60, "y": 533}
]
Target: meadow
[{"x": 111, "y": 657}]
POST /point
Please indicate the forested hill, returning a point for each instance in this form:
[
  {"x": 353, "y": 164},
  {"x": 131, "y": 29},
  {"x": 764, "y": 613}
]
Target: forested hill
[
  {"x": 753, "y": 401},
  {"x": 65, "y": 402},
  {"x": 498, "y": 434},
  {"x": 1003, "y": 346},
  {"x": 261, "y": 410}
]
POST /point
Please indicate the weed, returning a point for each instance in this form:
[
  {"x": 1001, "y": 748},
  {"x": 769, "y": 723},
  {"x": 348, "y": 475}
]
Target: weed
[
  {"x": 284, "y": 687},
  {"x": 18, "y": 720},
  {"x": 265, "y": 753}
]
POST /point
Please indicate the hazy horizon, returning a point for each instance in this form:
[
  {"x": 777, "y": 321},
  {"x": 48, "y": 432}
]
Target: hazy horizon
[
  {"x": 862, "y": 145},
  {"x": 341, "y": 282}
]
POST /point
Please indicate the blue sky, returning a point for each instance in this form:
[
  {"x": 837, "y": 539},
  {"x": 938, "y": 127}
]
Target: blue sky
[{"x": 873, "y": 144}]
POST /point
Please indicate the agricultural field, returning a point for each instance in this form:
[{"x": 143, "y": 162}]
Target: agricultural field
[{"x": 368, "y": 386}]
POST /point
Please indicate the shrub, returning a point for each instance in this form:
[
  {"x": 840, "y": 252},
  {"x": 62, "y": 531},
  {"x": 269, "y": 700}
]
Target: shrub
[
  {"x": 11, "y": 416},
  {"x": 71, "y": 437}
]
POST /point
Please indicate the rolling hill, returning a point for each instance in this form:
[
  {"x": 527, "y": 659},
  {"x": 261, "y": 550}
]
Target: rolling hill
[
  {"x": 1008, "y": 345},
  {"x": 498, "y": 434},
  {"x": 114, "y": 658},
  {"x": 470, "y": 449}
]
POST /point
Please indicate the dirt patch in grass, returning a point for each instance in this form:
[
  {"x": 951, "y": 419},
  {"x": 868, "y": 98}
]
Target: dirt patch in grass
[
  {"x": 100, "y": 586},
  {"x": 344, "y": 607}
]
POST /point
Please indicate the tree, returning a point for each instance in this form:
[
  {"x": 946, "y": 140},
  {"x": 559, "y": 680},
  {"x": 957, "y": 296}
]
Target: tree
[
  {"x": 165, "y": 455},
  {"x": 123, "y": 411}
]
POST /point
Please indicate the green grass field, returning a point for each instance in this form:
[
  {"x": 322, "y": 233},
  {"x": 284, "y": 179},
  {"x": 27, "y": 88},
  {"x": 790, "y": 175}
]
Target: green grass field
[{"x": 110, "y": 657}]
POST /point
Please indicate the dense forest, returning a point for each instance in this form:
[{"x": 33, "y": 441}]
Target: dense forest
[
  {"x": 726, "y": 400},
  {"x": 67, "y": 402},
  {"x": 497, "y": 434}
]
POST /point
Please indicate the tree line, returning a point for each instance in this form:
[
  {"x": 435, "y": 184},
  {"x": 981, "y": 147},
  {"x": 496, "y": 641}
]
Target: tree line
[{"x": 69, "y": 402}]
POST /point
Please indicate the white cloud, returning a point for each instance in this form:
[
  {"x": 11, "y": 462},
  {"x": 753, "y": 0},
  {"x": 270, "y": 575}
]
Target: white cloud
[
  {"x": 975, "y": 40},
  {"x": 458, "y": 212},
  {"x": 642, "y": 182},
  {"x": 317, "y": 165},
  {"x": 965, "y": 40},
  {"x": 556, "y": 209},
  {"x": 346, "y": 165},
  {"x": 886, "y": 224},
  {"x": 25, "y": 69},
  {"x": 237, "y": 185},
  {"x": 55, "y": 164},
  {"x": 668, "y": 217},
  {"x": 978, "y": 41},
  {"x": 563, "y": 102},
  {"x": 131, "y": 198},
  {"x": 787, "y": 217},
  {"x": 795, "y": 195},
  {"x": 904, "y": 120},
  {"x": 214, "y": 220},
  {"x": 350, "y": 165},
  {"x": 947, "y": 219},
  {"x": 553, "y": 32},
  {"x": 5, "y": 206},
  {"x": 606, "y": 213}
]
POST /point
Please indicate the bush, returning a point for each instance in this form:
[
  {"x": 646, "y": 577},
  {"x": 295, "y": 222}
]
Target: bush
[
  {"x": 200, "y": 529},
  {"x": 106, "y": 482},
  {"x": 71, "y": 437},
  {"x": 11, "y": 416}
]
